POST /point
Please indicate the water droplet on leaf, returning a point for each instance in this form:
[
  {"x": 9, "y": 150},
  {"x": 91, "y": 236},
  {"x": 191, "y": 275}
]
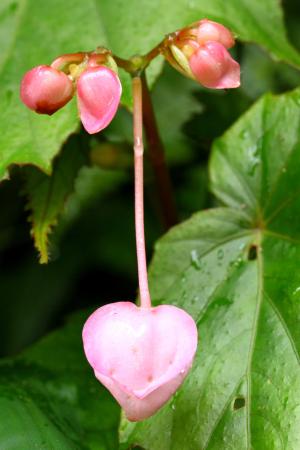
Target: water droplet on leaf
[
  {"x": 196, "y": 263},
  {"x": 220, "y": 254}
]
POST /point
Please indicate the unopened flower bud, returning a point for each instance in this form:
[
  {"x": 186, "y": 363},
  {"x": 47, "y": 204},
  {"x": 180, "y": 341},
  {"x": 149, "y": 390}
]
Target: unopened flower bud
[
  {"x": 200, "y": 52},
  {"x": 213, "y": 67},
  {"x": 213, "y": 31},
  {"x": 140, "y": 355},
  {"x": 45, "y": 89},
  {"x": 99, "y": 92}
]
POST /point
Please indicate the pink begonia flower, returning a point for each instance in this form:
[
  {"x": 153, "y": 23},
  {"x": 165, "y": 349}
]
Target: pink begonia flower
[
  {"x": 98, "y": 92},
  {"x": 213, "y": 31},
  {"x": 45, "y": 90},
  {"x": 213, "y": 66},
  {"x": 200, "y": 52},
  {"x": 141, "y": 355}
]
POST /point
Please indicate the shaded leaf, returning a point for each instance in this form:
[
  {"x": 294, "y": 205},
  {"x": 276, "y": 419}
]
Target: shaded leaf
[
  {"x": 47, "y": 194},
  {"x": 236, "y": 270},
  {"x": 174, "y": 103},
  {"x": 100, "y": 217},
  {"x": 49, "y": 398}
]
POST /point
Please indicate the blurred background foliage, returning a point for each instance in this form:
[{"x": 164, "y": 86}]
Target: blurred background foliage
[{"x": 92, "y": 249}]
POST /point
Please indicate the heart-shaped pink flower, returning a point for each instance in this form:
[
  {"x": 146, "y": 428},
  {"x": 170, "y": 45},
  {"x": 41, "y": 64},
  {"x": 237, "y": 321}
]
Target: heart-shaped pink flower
[
  {"x": 99, "y": 92},
  {"x": 141, "y": 355}
]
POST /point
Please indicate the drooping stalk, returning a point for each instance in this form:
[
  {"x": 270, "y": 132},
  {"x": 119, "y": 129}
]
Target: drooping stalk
[{"x": 139, "y": 192}]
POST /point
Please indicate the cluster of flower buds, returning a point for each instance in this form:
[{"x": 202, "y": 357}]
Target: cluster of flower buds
[
  {"x": 45, "y": 89},
  {"x": 201, "y": 52},
  {"x": 141, "y": 355}
]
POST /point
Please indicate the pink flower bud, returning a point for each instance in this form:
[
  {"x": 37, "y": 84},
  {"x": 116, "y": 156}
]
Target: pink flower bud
[
  {"x": 213, "y": 31},
  {"x": 45, "y": 90},
  {"x": 99, "y": 91},
  {"x": 140, "y": 355},
  {"x": 213, "y": 67}
]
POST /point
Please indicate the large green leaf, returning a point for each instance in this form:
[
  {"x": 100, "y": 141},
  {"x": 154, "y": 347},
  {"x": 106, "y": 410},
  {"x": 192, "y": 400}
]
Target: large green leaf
[
  {"x": 33, "y": 34},
  {"x": 49, "y": 398},
  {"x": 236, "y": 270}
]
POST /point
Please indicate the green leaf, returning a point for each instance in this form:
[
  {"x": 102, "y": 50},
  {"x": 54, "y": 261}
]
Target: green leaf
[
  {"x": 47, "y": 194},
  {"x": 125, "y": 27},
  {"x": 49, "y": 398},
  {"x": 261, "y": 75},
  {"x": 236, "y": 270},
  {"x": 102, "y": 207},
  {"x": 174, "y": 103},
  {"x": 142, "y": 24}
]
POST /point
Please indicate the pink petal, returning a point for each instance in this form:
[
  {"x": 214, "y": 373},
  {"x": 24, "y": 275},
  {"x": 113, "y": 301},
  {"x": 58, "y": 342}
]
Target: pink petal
[
  {"x": 136, "y": 408},
  {"x": 213, "y": 31},
  {"x": 140, "y": 355},
  {"x": 45, "y": 90},
  {"x": 213, "y": 66},
  {"x": 99, "y": 91}
]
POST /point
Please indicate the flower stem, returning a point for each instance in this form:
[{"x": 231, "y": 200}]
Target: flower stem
[
  {"x": 139, "y": 191},
  {"x": 158, "y": 161}
]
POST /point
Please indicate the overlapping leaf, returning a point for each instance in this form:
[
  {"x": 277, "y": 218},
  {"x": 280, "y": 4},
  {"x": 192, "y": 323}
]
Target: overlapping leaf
[
  {"x": 236, "y": 270},
  {"x": 46, "y": 195}
]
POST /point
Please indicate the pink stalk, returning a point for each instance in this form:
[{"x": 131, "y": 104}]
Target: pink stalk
[{"x": 139, "y": 192}]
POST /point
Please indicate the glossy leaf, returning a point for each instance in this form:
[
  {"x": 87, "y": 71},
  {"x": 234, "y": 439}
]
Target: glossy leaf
[
  {"x": 46, "y": 195},
  {"x": 50, "y": 399},
  {"x": 236, "y": 270},
  {"x": 127, "y": 28}
]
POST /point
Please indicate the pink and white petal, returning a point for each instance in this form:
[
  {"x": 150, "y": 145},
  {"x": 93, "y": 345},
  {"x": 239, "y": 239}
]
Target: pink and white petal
[
  {"x": 141, "y": 355},
  {"x": 98, "y": 92},
  {"x": 213, "y": 66},
  {"x": 212, "y": 31},
  {"x": 136, "y": 408}
]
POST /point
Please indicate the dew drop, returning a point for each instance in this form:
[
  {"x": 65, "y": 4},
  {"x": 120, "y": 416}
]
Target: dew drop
[
  {"x": 220, "y": 254},
  {"x": 244, "y": 134},
  {"x": 195, "y": 260},
  {"x": 296, "y": 291}
]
